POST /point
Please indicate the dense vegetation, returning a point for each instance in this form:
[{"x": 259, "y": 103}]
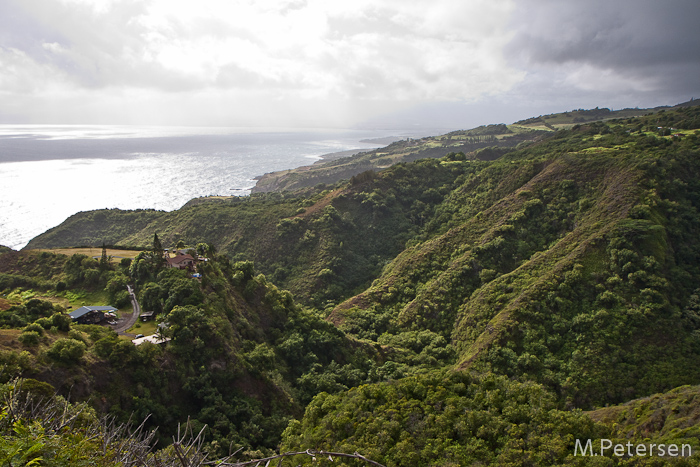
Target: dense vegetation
[
  {"x": 96, "y": 228},
  {"x": 408, "y": 150},
  {"x": 560, "y": 268},
  {"x": 243, "y": 357},
  {"x": 455, "y": 418},
  {"x": 446, "y": 311},
  {"x": 471, "y": 142}
]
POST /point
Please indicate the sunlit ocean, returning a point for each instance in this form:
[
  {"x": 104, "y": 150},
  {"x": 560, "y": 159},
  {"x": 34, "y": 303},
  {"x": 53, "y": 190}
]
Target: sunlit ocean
[{"x": 48, "y": 173}]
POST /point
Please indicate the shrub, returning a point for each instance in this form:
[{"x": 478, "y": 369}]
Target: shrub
[
  {"x": 78, "y": 335},
  {"x": 121, "y": 299},
  {"x": 36, "y": 327},
  {"x": 61, "y": 321},
  {"x": 104, "y": 347},
  {"x": 125, "y": 263},
  {"x": 67, "y": 350},
  {"x": 29, "y": 338},
  {"x": 487, "y": 275},
  {"x": 45, "y": 323},
  {"x": 36, "y": 388},
  {"x": 123, "y": 353}
]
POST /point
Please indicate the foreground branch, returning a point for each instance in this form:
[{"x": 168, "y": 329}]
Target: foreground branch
[
  {"x": 126, "y": 444},
  {"x": 309, "y": 452}
]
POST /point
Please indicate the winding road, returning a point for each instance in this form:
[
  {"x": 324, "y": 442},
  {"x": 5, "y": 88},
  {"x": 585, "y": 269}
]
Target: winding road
[{"x": 123, "y": 325}]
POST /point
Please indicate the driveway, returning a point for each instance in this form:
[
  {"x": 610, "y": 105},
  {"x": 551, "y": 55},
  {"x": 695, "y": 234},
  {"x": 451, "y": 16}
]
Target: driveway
[{"x": 125, "y": 323}]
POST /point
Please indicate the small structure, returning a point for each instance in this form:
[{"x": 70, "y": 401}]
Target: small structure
[
  {"x": 153, "y": 339},
  {"x": 181, "y": 261},
  {"x": 148, "y": 315},
  {"x": 92, "y": 314}
]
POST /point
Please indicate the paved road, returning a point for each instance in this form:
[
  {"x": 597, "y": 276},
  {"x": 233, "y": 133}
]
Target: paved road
[{"x": 123, "y": 325}]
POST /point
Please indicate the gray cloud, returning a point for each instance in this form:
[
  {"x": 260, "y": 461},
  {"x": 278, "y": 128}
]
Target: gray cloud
[
  {"x": 20, "y": 29},
  {"x": 236, "y": 62},
  {"x": 655, "y": 45}
]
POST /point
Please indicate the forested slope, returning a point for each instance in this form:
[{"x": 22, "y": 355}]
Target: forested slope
[
  {"x": 495, "y": 137},
  {"x": 242, "y": 357},
  {"x": 475, "y": 306},
  {"x": 579, "y": 247}
]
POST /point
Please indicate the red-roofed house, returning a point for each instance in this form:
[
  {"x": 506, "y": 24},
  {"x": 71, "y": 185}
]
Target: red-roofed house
[{"x": 181, "y": 262}]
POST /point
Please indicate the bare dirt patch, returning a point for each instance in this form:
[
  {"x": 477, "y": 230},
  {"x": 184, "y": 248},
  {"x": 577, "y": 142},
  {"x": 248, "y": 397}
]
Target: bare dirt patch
[
  {"x": 8, "y": 338},
  {"x": 321, "y": 204},
  {"x": 116, "y": 255}
]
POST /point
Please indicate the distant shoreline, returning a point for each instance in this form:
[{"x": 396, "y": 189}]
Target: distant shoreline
[
  {"x": 380, "y": 142},
  {"x": 340, "y": 154},
  {"x": 48, "y": 170}
]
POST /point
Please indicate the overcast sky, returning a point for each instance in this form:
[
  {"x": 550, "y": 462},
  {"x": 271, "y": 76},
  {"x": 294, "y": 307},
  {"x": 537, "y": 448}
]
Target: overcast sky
[{"x": 327, "y": 63}]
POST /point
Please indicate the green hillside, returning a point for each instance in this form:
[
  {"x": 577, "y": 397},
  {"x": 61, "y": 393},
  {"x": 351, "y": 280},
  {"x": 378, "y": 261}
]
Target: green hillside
[
  {"x": 460, "y": 419},
  {"x": 95, "y": 228},
  {"x": 242, "y": 357},
  {"x": 465, "y": 141},
  {"x": 583, "y": 238},
  {"x": 471, "y": 142},
  {"x": 321, "y": 244},
  {"x": 446, "y": 311},
  {"x": 671, "y": 417}
]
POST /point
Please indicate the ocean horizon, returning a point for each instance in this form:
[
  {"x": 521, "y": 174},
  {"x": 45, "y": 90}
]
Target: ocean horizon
[{"x": 50, "y": 172}]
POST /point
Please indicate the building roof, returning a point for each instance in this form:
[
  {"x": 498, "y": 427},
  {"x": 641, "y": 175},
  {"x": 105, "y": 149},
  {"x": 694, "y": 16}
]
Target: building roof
[
  {"x": 153, "y": 338},
  {"x": 83, "y": 310},
  {"x": 179, "y": 259}
]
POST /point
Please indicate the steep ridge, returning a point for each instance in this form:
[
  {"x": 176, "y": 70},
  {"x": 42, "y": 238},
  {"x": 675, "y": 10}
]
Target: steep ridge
[
  {"x": 496, "y": 139},
  {"x": 481, "y": 304},
  {"x": 586, "y": 242},
  {"x": 320, "y": 244}
]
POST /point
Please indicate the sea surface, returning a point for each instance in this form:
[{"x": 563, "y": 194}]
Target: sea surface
[{"x": 50, "y": 172}]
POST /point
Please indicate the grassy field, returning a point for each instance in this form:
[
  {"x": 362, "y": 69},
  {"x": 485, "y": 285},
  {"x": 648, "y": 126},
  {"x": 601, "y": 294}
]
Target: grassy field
[
  {"x": 70, "y": 299},
  {"x": 147, "y": 328},
  {"x": 116, "y": 255}
]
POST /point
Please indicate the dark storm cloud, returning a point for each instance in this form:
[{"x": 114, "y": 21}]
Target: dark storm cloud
[
  {"x": 241, "y": 62},
  {"x": 655, "y": 43}
]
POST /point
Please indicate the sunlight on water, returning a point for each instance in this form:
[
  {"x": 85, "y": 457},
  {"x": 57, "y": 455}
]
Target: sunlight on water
[
  {"x": 48, "y": 173},
  {"x": 62, "y": 132}
]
